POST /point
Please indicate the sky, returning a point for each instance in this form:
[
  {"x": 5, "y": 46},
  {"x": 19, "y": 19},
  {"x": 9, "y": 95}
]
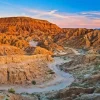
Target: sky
[{"x": 64, "y": 13}]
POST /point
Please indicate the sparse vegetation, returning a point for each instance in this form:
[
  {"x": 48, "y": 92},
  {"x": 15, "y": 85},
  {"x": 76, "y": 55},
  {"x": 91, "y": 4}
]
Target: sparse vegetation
[
  {"x": 64, "y": 58},
  {"x": 97, "y": 66},
  {"x": 51, "y": 72},
  {"x": 97, "y": 90},
  {"x": 11, "y": 90},
  {"x": 34, "y": 82}
]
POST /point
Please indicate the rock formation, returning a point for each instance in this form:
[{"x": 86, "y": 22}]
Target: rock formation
[
  {"x": 18, "y": 31},
  {"x": 23, "y": 69},
  {"x": 39, "y": 50},
  {"x": 93, "y": 39},
  {"x": 10, "y": 50},
  {"x": 16, "y": 25},
  {"x": 79, "y": 38},
  {"x": 71, "y": 93}
]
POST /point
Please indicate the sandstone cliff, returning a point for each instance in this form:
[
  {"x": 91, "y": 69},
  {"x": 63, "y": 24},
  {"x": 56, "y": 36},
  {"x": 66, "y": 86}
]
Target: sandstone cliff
[{"x": 24, "y": 69}]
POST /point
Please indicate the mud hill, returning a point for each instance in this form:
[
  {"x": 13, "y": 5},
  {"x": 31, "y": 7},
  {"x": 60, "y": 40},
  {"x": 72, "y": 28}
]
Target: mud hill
[
  {"x": 18, "y": 31},
  {"x": 79, "y": 38},
  {"x": 26, "y": 25}
]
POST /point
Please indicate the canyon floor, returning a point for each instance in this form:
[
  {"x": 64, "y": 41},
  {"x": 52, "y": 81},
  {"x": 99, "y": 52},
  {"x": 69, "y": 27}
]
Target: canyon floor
[{"x": 72, "y": 75}]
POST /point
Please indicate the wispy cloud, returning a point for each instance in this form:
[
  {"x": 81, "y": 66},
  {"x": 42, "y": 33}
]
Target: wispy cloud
[
  {"x": 80, "y": 19},
  {"x": 65, "y": 15},
  {"x": 92, "y": 14},
  {"x": 40, "y": 13}
]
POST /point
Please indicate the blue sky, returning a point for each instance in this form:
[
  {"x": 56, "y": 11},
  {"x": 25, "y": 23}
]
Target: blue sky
[{"x": 64, "y": 13}]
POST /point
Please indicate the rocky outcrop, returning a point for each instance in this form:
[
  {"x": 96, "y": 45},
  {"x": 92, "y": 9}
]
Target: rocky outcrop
[
  {"x": 93, "y": 79},
  {"x": 10, "y": 50},
  {"x": 18, "y": 31},
  {"x": 79, "y": 38},
  {"x": 14, "y": 40},
  {"x": 72, "y": 33},
  {"x": 93, "y": 39},
  {"x": 79, "y": 60},
  {"x": 23, "y": 69},
  {"x": 73, "y": 37},
  {"x": 39, "y": 50},
  {"x": 86, "y": 71}
]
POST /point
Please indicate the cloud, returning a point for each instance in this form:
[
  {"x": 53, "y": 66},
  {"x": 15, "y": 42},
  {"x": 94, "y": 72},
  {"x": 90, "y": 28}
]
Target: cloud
[
  {"x": 39, "y": 13},
  {"x": 65, "y": 15},
  {"x": 73, "y": 20},
  {"x": 92, "y": 14}
]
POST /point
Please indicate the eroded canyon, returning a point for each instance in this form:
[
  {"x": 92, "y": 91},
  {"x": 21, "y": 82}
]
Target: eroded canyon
[{"x": 41, "y": 61}]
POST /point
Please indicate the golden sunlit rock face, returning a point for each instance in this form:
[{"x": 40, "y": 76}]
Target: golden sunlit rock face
[
  {"x": 17, "y": 25},
  {"x": 18, "y": 31},
  {"x": 21, "y": 63},
  {"x": 10, "y": 50},
  {"x": 22, "y": 69}
]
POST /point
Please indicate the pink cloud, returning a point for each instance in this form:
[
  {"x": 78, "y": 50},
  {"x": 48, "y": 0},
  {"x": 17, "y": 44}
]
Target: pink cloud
[
  {"x": 77, "y": 22},
  {"x": 69, "y": 20}
]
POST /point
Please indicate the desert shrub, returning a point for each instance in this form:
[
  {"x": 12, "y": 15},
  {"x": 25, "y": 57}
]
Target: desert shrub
[
  {"x": 51, "y": 72},
  {"x": 11, "y": 90},
  {"x": 97, "y": 66},
  {"x": 64, "y": 58},
  {"x": 34, "y": 82},
  {"x": 97, "y": 90}
]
